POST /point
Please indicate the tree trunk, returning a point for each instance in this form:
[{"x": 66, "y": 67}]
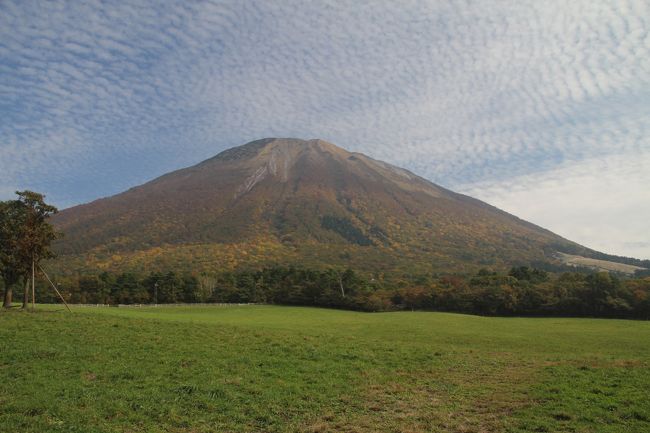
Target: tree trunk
[
  {"x": 8, "y": 295},
  {"x": 33, "y": 285},
  {"x": 26, "y": 294}
]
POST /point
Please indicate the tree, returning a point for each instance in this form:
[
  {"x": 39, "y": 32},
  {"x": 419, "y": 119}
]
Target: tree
[
  {"x": 11, "y": 220},
  {"x": 206, "y": 286},
  {"x": 106, "y": 282},
  {"x": 170, "y": 288},
  {"x": 190, "y": 289},
  {"x": 35, "y": 235},
  {"x": 601, "y": 294},
  {"x": 524, "y": 273},
  {"x": 416, "y": 297},
  {"x": 25, "y": 238},
  {"x": 130, "y": 289}
]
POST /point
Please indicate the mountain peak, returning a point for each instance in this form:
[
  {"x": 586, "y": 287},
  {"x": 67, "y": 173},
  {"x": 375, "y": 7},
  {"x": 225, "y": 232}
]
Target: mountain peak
[
  {"x": 304, "y": 198},
  {"x": 253, "y": 148}
]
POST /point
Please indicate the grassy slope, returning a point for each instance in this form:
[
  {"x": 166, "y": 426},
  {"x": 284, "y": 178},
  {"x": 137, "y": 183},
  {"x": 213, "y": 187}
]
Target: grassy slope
[
  {"x": 600, "y": 265},
  {"x": 281, "y": 369}
]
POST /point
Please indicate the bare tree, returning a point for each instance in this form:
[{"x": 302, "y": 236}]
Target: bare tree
[{"x": 207, "y": 284}]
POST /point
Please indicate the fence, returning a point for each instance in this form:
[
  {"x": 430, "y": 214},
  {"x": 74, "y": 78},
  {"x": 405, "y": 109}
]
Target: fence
[{"x": 163, "y": 305}]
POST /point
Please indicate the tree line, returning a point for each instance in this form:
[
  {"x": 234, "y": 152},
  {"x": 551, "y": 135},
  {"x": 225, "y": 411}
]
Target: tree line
[
  {"x": 26, "y": 235},
  {"x": 522, "y": 291}
]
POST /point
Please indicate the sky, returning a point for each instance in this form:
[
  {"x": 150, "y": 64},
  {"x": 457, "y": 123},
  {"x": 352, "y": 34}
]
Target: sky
[{"x": 541, "y": 108}]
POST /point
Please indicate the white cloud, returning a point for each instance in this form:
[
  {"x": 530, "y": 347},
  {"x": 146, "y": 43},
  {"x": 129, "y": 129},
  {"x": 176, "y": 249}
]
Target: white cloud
[
  {"x": 96, "y": 97},
  {"x": 602, "y": 203}
]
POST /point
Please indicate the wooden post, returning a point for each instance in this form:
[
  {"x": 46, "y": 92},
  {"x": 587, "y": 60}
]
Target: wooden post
[
  {"x": 33, "y": 286},
  {"x": 55, "y": 289}
]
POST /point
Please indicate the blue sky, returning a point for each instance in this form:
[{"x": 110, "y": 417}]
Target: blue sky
[{"x": 540, "y": 108}]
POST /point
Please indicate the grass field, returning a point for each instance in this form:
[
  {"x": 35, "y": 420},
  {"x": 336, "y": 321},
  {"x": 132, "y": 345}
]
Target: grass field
[{"x": 284, "y": 369}]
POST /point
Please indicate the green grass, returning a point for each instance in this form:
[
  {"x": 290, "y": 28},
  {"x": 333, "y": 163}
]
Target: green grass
[{"x": 284, "y": 369}]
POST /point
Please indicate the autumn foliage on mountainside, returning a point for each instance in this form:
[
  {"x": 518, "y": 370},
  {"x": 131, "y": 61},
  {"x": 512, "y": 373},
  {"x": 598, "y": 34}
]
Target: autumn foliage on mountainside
[{"x": 296, "y": 202}]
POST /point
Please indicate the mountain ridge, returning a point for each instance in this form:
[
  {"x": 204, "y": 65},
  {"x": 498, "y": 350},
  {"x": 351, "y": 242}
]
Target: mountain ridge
[{"x": 310, "y": 202}]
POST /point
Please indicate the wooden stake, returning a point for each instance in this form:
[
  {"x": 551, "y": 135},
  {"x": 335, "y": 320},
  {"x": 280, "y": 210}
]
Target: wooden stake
[
  {"x": 55, "y": 289},
  {"x": 33, "y": 285}
]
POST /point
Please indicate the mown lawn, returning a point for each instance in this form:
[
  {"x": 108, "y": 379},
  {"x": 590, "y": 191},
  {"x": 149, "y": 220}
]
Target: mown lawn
[{"x": 287, "y": 369}]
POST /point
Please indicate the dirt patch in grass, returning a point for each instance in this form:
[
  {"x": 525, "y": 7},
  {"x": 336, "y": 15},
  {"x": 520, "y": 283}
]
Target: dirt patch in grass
[{"x": 469, "y": 399}]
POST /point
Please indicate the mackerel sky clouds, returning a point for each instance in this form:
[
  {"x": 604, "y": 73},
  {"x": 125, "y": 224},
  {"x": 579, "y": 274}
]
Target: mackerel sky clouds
[{"x": 540, "y": 108}]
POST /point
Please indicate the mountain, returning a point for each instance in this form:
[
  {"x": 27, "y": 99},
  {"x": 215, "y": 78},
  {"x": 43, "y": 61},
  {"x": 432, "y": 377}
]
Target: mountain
[{"x": 303, "y": 202}]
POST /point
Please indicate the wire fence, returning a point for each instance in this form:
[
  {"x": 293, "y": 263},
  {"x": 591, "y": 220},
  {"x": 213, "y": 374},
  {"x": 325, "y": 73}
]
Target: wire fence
[{"x": 213, "y": 304}]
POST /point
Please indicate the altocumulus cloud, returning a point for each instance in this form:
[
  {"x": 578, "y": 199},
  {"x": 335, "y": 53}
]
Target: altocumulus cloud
[{"x": 542, "y": 108}]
